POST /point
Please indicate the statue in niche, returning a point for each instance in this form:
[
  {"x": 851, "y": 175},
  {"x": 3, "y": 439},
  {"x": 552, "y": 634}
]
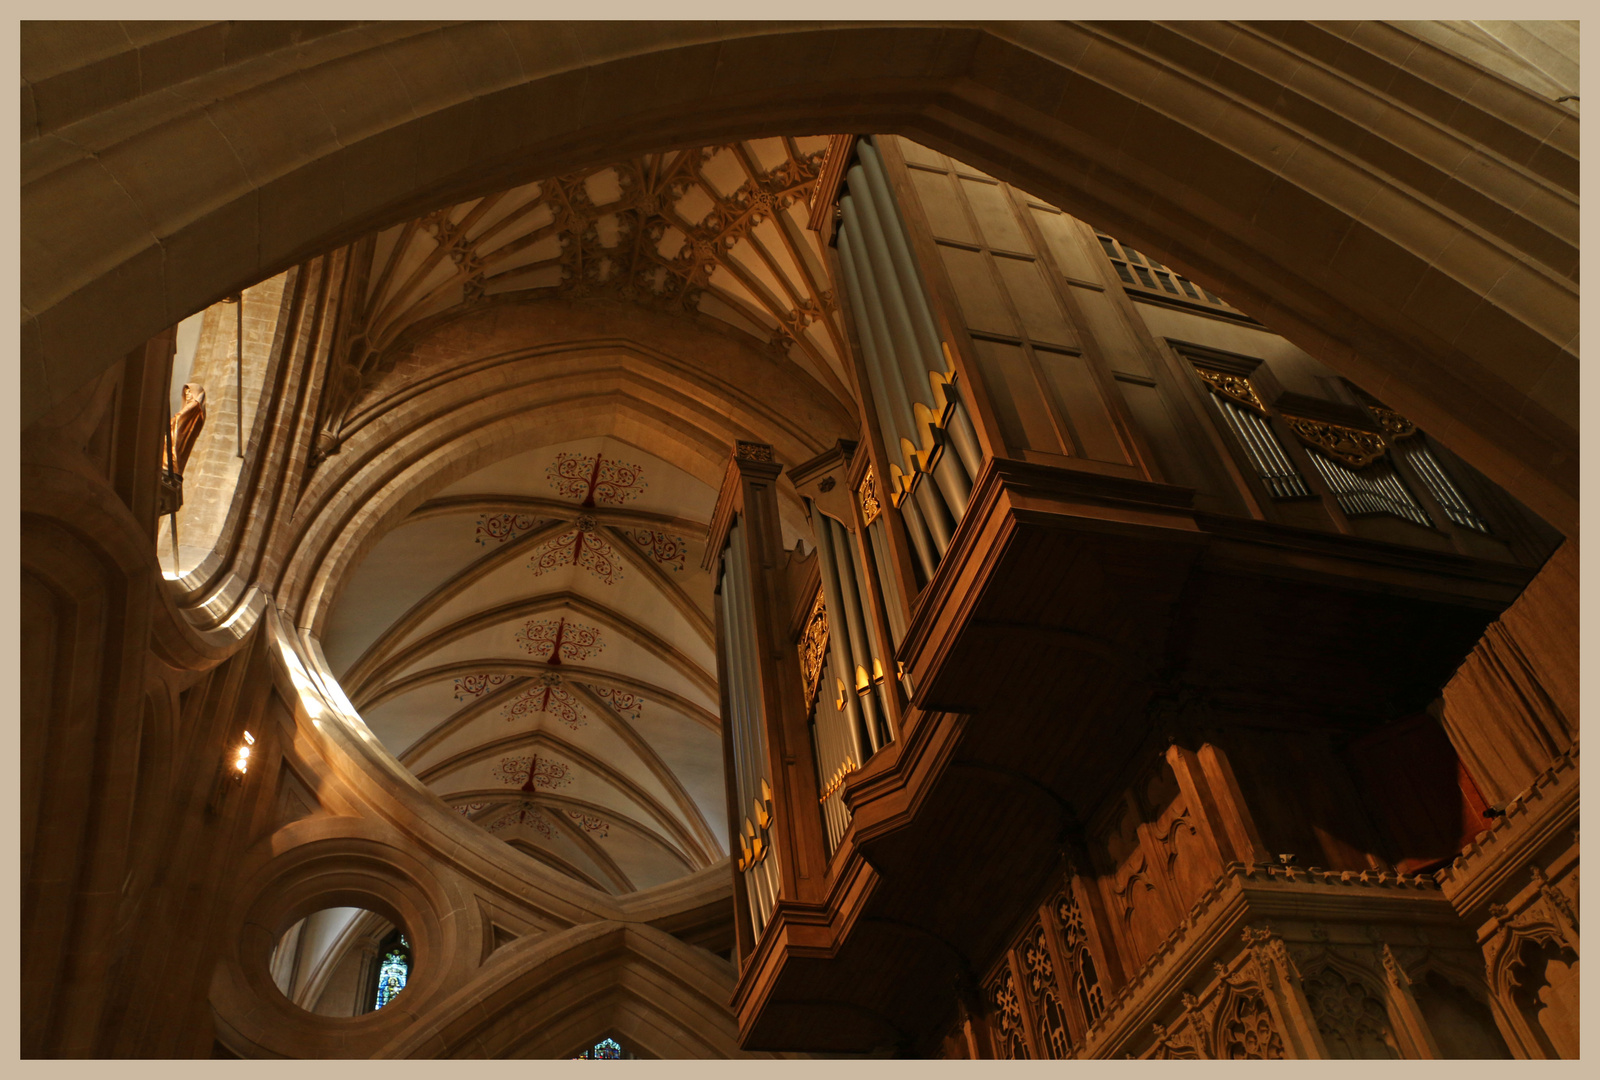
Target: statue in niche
[{"x": 186, "y": 427}]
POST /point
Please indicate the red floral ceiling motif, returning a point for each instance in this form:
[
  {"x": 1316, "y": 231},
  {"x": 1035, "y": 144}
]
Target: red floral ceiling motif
[
  {"x": 503, "y": 527},
  {"x": 628, "y": 704},
  {"x": 466, "y": 810},
  {"x": 596, "y": 480},
  {"x": 665, "y": 548},
  {"x": 579, "y": 546},
  {"x": 524, "y": 815},
  {"x": 533, "y": 771},
  {"x": 475, "y": 685},
  {"x": 590, "y": 824},
  {"x": 552, "y": 700},
  {"x": 556, "y": 640}
]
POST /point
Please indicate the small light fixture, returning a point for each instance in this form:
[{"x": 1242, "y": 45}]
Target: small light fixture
[
  {"x": 241, "y": 763},
  {"x": 1287, "y": 860}
]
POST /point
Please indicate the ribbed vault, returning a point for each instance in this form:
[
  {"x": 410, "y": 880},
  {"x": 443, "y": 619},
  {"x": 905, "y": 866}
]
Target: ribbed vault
[
  {"x": 716, "y": 233},
  {"x": 504, "y": 570}
]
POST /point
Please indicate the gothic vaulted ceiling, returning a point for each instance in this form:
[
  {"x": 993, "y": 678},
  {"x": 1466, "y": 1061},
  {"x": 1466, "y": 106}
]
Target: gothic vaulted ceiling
[
  {"x": 535, "y": 640},
  {"x": 717, "y": 234},
  {"x": 535, "y": 643}
]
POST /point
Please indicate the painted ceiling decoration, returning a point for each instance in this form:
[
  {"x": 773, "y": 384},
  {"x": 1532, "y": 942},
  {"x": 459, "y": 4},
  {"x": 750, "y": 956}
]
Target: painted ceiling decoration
[
  {"x": 718, "y": 234},
  {"x": 595, "y": 480},
  {"x": 535, "y": 643},
  {"x": 553, "y": 641}
]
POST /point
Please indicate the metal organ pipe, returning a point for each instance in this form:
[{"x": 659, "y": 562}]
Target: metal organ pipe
[
  {"x": 903, "y": 355},
  {"x": 916, "y": 354},
  {"x": 905, "y": 377},
  {"x": 738, "y": 727},
  {"x": 744, "y": 697},
  {"x": 905, "y": 266},
  {"x": 859, "y": 301},
  {"x": 895, "y": 409},
  {"x": 911, "y": 368},
  {"x": 838, "y": 633},
  {"x": 766, "y": 870},
  {"x": 860, "y": 643},
  {"x": 879, "y": 647},
  {"x": 963, "y": 437},
  {"x": 877, "y": 543},
  {"x": 921, "y": 544},
  {"x": 858, "y": 656}
]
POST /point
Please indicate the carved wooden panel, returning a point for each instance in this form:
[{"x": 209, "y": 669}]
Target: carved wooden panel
[
  {"x": 1010, "y": 1041},
  {"x": 1245, "y": 1029},
  {"x": 1049, "y": 1018},
  {"x": 1350, "y": 1015},
  {"x": 1008, "y": 290},
  {"x": 1157, "y": 861}
]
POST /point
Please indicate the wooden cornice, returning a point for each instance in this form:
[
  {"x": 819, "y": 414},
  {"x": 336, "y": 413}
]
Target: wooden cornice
[
  {"x": 748, "y": 459},
  {"x": 825, "y": 194}
]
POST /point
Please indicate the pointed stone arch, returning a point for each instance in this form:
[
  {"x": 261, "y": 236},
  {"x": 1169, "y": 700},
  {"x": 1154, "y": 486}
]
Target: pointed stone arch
[
  {"x": 523, "y": 1004},
  {"x": 1286, "y": 202}
]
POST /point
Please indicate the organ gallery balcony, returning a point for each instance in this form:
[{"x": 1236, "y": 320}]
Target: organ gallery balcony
[{"x": 1075, "y": 617}]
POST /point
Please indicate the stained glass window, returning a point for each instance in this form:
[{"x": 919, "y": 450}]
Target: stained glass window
[
  {"x": 604, "y": 1050},
  {"x": 392, "y": 976}
]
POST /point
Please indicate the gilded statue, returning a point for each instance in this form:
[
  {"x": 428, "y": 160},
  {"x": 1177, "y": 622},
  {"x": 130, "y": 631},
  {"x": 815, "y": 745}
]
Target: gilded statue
[{"x": 186, "y": 427}]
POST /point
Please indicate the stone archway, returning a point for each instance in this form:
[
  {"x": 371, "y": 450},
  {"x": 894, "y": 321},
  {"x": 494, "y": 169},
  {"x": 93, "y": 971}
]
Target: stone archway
[{"x": 1404, "y": 214}]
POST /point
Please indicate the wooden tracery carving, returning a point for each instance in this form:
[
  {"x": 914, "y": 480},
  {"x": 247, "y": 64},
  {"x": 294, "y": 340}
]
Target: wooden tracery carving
[
  {"x": 814, "y": 648},
  {"x": 1010, "y": 1042},
  {"x": 1049, "y": 1020},
  {"x": 1172, "y": 1046},
  {"x": 1082, "y": 974},
  {"x": 1245, "y": 1029},
  {"x": 1346, "y": 445},
  {"x": 1392, "y": 422},
  {"x": 1351, "y": 1017},
  {"x": 1233, "y": 387},
  {"x": 870, "y": 507}
]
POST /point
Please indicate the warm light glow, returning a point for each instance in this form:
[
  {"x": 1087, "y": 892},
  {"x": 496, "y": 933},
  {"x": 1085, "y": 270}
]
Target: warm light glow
[
  {"x": 241, "y": 763},
  {"x": 303, "y": 683}
]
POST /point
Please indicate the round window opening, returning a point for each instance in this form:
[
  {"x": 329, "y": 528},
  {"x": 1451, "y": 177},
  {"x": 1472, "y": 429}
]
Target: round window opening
[{"x": 342, "y": 962}]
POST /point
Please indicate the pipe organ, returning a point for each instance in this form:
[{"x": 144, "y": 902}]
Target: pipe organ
[
  {"x": 852, "y": 724},
  {"x": 915, "y": 392},
  {"x": 747, "y": 738},
  {"x": 1111, "y": 602}
]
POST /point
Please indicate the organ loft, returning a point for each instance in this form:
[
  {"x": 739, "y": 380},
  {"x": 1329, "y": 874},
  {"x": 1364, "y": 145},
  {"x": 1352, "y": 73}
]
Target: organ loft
[{"x": 534, "y": 545}]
